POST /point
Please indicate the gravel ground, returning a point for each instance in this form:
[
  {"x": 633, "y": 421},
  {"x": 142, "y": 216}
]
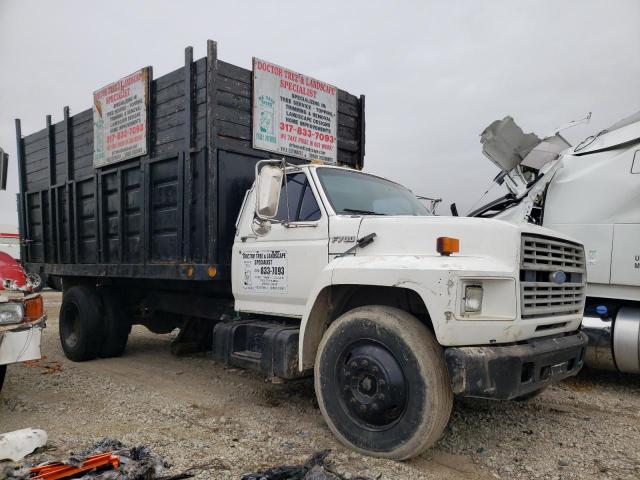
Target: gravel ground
[{"x": 193, "y": 411}]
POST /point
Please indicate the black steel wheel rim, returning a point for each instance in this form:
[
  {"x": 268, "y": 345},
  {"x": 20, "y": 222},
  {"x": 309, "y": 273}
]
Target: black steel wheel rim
[{"x": 373, "y": 386}]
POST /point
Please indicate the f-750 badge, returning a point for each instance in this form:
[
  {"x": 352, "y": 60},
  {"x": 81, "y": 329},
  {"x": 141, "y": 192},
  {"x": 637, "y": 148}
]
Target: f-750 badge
[{"x": 343, "y": 239}]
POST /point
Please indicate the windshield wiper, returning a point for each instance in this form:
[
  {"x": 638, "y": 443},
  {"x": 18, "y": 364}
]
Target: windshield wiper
[
  {"x": 361, "y": 242},
  {"x": 361, "y": 212}
]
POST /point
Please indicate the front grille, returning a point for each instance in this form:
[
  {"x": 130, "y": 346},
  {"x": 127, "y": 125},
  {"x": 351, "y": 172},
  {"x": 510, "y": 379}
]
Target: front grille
[{"x": 542, "y": 256}]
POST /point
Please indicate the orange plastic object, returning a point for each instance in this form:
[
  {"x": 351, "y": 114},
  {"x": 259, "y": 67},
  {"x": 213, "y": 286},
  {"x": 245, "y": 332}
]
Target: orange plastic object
[
  {"x": 33, "y": 308},
  {"x": 447, "y": 245},
  {"x": 55, "y": 471}
]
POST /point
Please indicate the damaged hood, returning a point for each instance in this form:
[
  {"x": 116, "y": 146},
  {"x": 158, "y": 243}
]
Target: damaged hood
[
  {"x": 507, "y": 146},
  {"x": 551, "y": 158}
]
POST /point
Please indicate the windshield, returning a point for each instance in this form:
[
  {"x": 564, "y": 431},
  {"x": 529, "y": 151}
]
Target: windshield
[{"x": 350, "y": 192}]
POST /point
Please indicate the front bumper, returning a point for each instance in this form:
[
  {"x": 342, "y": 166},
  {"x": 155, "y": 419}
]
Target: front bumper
[
  {"x": 507, "y": 372},
  {"x": 21, "y": 342}
]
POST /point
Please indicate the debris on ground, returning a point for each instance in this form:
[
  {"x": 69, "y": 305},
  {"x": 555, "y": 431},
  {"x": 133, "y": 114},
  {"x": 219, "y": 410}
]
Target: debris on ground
[
  {"x": 16, "y": 445},
  {"x": 317, "y": 467},
  {"x": 47, "y": 367},
  {"x": 58, "y": 470},
  {"x": 122, "y": 463}
]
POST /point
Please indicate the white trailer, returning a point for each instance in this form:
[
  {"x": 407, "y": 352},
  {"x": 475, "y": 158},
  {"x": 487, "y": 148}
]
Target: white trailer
[{"x": 590, "y": 191}]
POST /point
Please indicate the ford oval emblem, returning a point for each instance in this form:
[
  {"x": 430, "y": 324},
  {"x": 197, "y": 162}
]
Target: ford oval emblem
[{"x": 558, "y": 277}]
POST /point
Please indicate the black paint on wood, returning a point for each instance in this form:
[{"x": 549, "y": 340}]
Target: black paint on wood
[
  {"x": 23, "y": 225},
  {"x": 154, "y": 215},
  {"x": 361, "y": 134},
  {"x": 212, "y": 152},
  {"x": 185, "y": 170}
]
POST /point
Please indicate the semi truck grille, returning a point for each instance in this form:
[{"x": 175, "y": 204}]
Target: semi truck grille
[{"x": 542, "y": 259}]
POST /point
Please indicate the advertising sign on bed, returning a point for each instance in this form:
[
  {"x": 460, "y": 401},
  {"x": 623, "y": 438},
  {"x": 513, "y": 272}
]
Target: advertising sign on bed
[
  {"x": 120, "y": 119},
  {"x": 294, "y": 114}
]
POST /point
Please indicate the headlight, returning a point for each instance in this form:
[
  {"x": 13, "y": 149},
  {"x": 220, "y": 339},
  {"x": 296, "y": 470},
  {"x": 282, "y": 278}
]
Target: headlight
[
  {"x": 473, "y": 298},
  {"x": 11, "y": 313}
]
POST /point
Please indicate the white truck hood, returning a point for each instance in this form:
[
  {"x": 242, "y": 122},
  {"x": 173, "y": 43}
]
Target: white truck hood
[{"x": 416, "y": 236}]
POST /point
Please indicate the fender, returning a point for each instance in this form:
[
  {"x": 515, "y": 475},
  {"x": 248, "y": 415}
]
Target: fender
[{"x": 435, "y": 279}]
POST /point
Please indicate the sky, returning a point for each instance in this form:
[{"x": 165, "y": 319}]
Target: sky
[{"x": 435, "y": 74}]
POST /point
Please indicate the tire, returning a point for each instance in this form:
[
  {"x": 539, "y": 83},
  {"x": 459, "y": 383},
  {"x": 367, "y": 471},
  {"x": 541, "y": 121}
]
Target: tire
[
  {"x": 382, "y": 383},
  {"x": 36, "y": 281},
  {"x": 117, "y": 324},
  {"x": 81, "y": 324},
  {"x": 530, "y": 396},
  {"x": 3, "y": 373}
]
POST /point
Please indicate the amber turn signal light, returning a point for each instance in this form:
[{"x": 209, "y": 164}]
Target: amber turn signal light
[
  {"x": 447, "y": 245},
  {"x": 33, "y": 308}
]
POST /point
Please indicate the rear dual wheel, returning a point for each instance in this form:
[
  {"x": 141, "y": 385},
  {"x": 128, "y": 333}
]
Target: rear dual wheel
[
  {"x": 382, "y": 383},
  {"x": 92, "y": 324}
]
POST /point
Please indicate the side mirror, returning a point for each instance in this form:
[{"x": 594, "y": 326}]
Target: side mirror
[{"x": 268, "y": 187}]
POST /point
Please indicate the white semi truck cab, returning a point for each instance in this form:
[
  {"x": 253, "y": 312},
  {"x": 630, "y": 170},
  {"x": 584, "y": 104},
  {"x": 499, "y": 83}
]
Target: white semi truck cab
[
  {"x": 590, "y": 191},
  {"x": 395, "y": 309}
]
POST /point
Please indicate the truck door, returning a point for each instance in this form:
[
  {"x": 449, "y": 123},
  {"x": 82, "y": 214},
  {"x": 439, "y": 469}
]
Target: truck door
[{"x": 275, "y": 273}]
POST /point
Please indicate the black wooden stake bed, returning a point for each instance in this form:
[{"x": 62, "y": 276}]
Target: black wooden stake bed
[{"x": 167, "y": 216}]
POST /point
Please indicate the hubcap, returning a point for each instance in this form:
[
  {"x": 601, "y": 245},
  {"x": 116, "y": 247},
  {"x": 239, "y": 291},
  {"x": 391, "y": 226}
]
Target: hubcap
[{"x": 372, "y": 384}]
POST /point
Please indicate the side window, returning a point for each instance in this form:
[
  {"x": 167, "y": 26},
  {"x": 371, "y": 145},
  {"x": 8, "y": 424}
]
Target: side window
[
  {"x": 302, "y": 204},
  {"x": 309, "y": 209}
]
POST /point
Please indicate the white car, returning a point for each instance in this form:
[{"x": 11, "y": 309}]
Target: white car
[{"x": 21, "y": 323}]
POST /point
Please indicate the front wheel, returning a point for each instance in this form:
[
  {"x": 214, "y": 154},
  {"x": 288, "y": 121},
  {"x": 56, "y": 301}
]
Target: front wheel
[{"x": 382, "y": 383}]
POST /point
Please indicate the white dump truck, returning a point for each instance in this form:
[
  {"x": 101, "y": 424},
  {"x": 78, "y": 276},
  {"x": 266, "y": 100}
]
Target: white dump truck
[
  {"x": 290, "y": 267},
  {"x": 590, "y": 191}
]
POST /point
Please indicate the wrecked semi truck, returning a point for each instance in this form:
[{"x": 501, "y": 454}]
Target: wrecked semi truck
[
  {"x": 592, "y": 192},
  {"x": 235, "y": 209}
]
